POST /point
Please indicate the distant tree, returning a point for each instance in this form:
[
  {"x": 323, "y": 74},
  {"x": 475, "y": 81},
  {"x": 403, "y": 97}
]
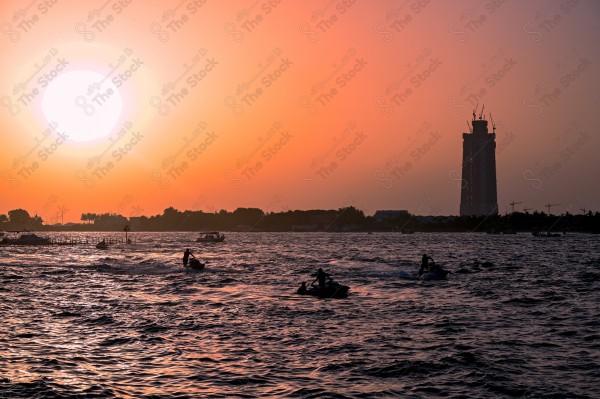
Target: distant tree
[
  {"x": 20, "y": 219},
  {"x": 36, "y": 221},
  {"x": 171, "y": 219},
  {"x": 19, "y": 216},
  {"x": 247, "y": 216},
  {"x": 350, "y": 215},
  {"x": 109, "y": 221},
  {"x": 3, "y": 218}
]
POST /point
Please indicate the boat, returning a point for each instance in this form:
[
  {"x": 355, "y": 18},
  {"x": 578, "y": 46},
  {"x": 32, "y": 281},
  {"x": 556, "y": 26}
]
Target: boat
[
  {"x": 210, "y": 236},
  {"x": 195, "y": 264},
  {"x": 26, "y": 239},
  {"x": 435, "y": 272},
  {"x": 102, "y": 245},
  {"x": 332, "y": 289}
]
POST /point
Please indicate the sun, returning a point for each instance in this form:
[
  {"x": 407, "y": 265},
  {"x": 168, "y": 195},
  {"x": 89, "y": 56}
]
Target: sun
[{"x": 85, "y": 105}]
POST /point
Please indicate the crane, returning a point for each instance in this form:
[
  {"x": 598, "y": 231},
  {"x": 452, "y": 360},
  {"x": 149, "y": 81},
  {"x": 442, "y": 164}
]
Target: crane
[
  {"x": 494, "y": 129},
  {"x": 584, "y": 210},
  {"x": 526, "y": 209},
  {"x": 512, "y": 204},
  {"x": 549, "y": 205}
]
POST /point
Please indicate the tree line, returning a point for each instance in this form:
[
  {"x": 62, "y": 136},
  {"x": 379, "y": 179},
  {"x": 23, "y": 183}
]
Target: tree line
[{"x": 342, "y": 219}]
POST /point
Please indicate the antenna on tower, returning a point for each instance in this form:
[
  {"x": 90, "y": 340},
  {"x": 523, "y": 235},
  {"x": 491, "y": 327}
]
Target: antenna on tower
[
  {"x": 493, "y": 124},
  {"x": 475, "y": 111},
  {"x": 481, "y": 113},
  {"x": 470, "y": 130}
]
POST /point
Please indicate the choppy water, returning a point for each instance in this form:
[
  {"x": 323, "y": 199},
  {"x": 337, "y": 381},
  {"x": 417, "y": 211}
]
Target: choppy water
[{"x": 520, "y": 317}]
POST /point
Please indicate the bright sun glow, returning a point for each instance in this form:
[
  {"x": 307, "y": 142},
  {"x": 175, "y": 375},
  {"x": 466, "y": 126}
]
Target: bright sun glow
[{"x": 83, "y": 114}]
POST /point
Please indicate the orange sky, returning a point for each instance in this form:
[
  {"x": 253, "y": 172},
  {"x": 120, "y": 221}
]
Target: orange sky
[{"x": 293, "y": 105}]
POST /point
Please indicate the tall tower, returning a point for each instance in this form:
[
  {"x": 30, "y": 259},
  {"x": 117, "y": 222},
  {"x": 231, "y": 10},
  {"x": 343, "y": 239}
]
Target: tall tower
[{"x": 479, "y": 195}]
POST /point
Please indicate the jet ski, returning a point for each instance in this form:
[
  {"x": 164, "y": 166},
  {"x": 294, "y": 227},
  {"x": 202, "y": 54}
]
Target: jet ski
[
  {"x": 332, "y": 289},
  {"x": 435, "y": 272},
  {"x": 195, "y": 264}
]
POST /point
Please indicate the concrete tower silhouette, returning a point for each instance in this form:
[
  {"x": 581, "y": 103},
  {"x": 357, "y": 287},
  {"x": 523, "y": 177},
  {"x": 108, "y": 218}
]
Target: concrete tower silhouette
[{"x": 478, "y": 194}]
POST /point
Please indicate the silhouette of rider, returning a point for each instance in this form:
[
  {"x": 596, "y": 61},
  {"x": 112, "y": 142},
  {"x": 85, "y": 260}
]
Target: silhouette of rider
[
  {"x": 424, "y": 264},
  {"x": 322, "y": 277},
  {"x": 302, "y": 289},
  {"x": 186, "y": 256}
]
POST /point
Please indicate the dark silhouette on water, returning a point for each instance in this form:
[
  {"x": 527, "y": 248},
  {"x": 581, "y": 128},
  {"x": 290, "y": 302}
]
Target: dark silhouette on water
[
  {"x": 431, "y": 271},
  {"x": 321, "y": 276},
  {"x": 102, "y": 245},
  {"x": 425, "y": 264},
  {"x": 211, "y": 236},
  {"x": 195, "y": 264},
  {"x": 327, "y": 288},
  {"x": 186, "y": 256},
  {"x": 302, "y": 290}
]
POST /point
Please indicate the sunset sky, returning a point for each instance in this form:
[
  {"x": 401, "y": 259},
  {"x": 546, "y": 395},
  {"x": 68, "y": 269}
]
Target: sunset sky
[{"x": 134, "y": 106}]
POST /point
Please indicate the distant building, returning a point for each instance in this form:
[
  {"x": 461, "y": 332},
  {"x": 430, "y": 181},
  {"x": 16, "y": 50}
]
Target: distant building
[
  {"x": 478, "y": 194},
  {"x": 386, "y": 216}
]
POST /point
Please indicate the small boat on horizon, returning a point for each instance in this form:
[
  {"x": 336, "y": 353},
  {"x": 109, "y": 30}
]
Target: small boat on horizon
[{"x": 210, "y": 236}]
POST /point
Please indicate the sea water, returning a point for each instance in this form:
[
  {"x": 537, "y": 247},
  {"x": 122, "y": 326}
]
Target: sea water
[{"x": 519, "y": 317}]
